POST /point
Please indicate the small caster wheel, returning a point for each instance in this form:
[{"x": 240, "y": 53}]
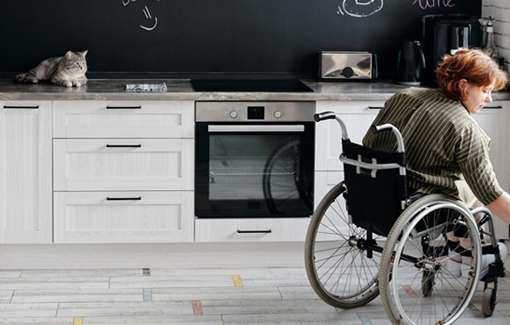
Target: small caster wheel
[{"x": 489, "y": 301}]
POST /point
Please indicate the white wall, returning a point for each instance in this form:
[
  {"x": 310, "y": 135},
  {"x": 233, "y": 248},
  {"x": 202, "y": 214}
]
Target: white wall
[{"x": 500, "y": 9}]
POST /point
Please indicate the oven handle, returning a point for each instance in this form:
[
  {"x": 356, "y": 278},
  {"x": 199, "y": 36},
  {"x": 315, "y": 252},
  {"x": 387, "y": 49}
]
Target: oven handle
[{"x": 256, "y": 128}]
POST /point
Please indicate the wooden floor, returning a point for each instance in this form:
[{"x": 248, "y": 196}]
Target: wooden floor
[{"x": 159, "y": 284}]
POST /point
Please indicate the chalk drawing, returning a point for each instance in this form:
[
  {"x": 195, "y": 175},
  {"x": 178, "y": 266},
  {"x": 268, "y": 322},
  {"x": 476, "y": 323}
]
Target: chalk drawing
[
  {"x": 151, "y": 21},
  {"x": 360, "y": 8},
  {"x": 428, "y": 4}
]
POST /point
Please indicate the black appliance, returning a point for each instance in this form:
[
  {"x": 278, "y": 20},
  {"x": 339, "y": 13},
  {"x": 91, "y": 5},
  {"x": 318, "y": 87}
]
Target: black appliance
[
  {"x": 444, "y": 34},
  {"x": 263, "y": 85},
  {"x": 254, "y": 159},
  {"x": 410, "y": 63}
]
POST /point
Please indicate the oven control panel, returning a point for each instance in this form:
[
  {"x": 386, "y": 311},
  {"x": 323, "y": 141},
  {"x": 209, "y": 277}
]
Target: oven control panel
[{"x": 218, "y": 111}]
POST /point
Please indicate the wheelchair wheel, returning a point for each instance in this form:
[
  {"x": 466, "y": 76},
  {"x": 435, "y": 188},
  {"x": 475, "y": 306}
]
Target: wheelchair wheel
[
  {"x": 422, "y": 251},
  {"x": 340, "y": 264}
]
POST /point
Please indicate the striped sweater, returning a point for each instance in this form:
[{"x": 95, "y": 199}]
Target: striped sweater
[{"x": 444, "y": 144}]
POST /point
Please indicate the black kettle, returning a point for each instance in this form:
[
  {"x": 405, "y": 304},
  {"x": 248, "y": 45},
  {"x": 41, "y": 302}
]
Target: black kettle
[{"x": 410, "y": 63}]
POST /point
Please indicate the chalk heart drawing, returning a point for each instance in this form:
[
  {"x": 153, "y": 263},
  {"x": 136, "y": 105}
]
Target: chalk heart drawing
[{"x": 360, "y": 8}]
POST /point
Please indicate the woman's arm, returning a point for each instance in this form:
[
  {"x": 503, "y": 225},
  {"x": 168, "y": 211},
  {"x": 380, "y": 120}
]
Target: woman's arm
[{"x": 501, "y": 207}]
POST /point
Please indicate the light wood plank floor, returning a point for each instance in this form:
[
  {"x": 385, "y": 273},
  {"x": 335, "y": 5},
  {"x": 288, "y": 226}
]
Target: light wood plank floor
[{"x": 262, "y": 284}]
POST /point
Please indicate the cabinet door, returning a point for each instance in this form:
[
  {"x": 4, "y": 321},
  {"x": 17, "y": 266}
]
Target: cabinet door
[
  {"x": 114, "y": 217},
  {"x": 324, "y": 182},
  {"x": 357, "y": 116},
  {"x": 25, "y": 172},
  {"x": 494, "y": 120}
]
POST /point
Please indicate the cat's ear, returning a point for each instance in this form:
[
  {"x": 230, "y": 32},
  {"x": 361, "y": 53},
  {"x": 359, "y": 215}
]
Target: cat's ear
[
  {"x": 69, "y": 55},
  {"x": 84, "y": 53}
]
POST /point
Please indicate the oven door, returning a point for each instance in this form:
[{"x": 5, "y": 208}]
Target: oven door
[{"x": 254, "y": 170}]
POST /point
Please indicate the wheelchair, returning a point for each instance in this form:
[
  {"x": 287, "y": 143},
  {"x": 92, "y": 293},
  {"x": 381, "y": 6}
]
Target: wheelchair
[{"x": 421, "y": 253}]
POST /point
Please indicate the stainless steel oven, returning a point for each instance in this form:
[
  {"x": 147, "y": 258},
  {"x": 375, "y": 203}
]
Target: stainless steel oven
[{"x": 254, "y": 159}]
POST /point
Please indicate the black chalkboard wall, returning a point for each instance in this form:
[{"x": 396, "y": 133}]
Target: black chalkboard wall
[{"x": 194, "y": 37}]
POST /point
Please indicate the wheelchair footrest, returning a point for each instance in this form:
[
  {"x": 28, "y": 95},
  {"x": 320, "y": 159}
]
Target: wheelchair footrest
[{"x": 496, "y": 270}]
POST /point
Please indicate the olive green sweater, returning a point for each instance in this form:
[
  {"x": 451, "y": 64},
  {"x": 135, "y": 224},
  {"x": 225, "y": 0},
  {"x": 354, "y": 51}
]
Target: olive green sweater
[{"x": 443, "y": 143}]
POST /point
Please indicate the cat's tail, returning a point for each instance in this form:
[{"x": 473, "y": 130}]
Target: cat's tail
[{"x": 27, "y": 77}]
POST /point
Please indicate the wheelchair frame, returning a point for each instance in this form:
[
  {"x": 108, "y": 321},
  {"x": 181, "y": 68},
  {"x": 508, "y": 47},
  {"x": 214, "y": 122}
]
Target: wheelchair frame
[{"x": 410, "y": 225}]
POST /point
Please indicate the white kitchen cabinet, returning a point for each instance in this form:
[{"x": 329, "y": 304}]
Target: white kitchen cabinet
[
  {"x": 494, "y": 120},
  {"x": 261, "y": 229},
  {"x": 357, "y": 116},
  {"x": 114, "y": 217},
  {"x": 123, "y": 171},
  {"x": 25, "y": 172},
  {"x": 123, "y": 164},
  {"x": 124, "y": 119}
]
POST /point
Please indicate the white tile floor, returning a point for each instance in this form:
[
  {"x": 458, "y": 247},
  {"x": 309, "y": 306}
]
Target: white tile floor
[{"x": 77, "y": 291}]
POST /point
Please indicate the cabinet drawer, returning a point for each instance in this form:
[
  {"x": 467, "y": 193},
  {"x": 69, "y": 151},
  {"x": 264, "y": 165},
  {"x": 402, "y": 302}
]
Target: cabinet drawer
[
  {"x": 264, "y": 229},
  {"x": 112, "y": 217},
  {"x": 122, "y": 164},
  {"x": 124, "y": 119}
]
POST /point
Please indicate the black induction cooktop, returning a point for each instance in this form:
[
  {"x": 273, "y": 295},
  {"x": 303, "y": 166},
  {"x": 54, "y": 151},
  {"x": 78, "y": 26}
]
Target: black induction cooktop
[{"x": 271, "y": 85}]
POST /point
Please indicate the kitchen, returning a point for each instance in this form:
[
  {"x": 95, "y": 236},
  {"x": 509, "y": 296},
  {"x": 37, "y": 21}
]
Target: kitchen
[{"x": 78, "y": 259}]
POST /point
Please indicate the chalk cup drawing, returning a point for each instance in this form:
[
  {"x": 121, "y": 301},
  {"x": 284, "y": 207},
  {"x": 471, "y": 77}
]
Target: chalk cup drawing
[
  {"x": 360, "y": 8},
  {"x": 151, "y": 21}
]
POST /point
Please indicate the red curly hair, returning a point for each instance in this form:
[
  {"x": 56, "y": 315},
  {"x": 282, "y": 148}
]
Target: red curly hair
[{"x": 471, "y": 64}]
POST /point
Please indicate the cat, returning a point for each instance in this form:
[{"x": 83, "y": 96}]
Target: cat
[{"x": 68, "y": 70}]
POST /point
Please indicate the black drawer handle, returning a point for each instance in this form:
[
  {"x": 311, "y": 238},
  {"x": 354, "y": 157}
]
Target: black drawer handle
[
  {"x": 21, "y": 107},
  {"x": 124, "y": 107},
  {"x": 136, "y": 198},
  {"x": 123, "y": 146},
  {"x": 493, "y": 107},
  {"x": 267, "y": 231},
  {"x": 375, "y": 107}
]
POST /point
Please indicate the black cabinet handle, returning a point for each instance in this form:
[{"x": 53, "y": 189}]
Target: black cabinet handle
[
  {"x": 267, "y": 231},
  {"x": 123, "y": 146},
  {"x": 493, "y": 107},
  {"x": 124, "y": 107},
  {"x": 375, "y": 107},
  {"x": 21, "y": 107},
  {"x": 137, "y": 198}
]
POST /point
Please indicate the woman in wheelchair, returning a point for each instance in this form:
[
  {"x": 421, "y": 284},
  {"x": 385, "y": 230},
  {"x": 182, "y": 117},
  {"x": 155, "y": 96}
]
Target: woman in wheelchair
[{"x": 412, "y": 219}]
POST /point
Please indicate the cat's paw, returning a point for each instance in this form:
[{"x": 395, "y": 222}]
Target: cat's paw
[
  {"x": 67, "y": 84},
  {"x": 77, "y": 84},
  {"x": 26, "y": 78},
  {"x": 20, "y": 77}
]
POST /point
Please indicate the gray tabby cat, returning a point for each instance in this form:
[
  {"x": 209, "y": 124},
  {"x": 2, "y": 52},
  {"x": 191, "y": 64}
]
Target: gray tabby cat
[{"x": 68, "y": 70}]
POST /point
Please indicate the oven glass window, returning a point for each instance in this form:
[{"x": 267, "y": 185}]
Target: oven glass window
[{"x": 259, "y": 174}]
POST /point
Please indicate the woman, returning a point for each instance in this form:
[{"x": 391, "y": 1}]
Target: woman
[{"x": 447, "y": 152}]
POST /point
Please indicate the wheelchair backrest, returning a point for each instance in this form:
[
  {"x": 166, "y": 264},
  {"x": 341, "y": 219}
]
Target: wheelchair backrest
[{"x": 376, "y": 186}]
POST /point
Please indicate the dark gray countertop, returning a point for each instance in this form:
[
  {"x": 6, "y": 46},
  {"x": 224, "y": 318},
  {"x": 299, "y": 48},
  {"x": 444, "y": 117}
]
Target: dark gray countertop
[{"x": 180, "y": 89}]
